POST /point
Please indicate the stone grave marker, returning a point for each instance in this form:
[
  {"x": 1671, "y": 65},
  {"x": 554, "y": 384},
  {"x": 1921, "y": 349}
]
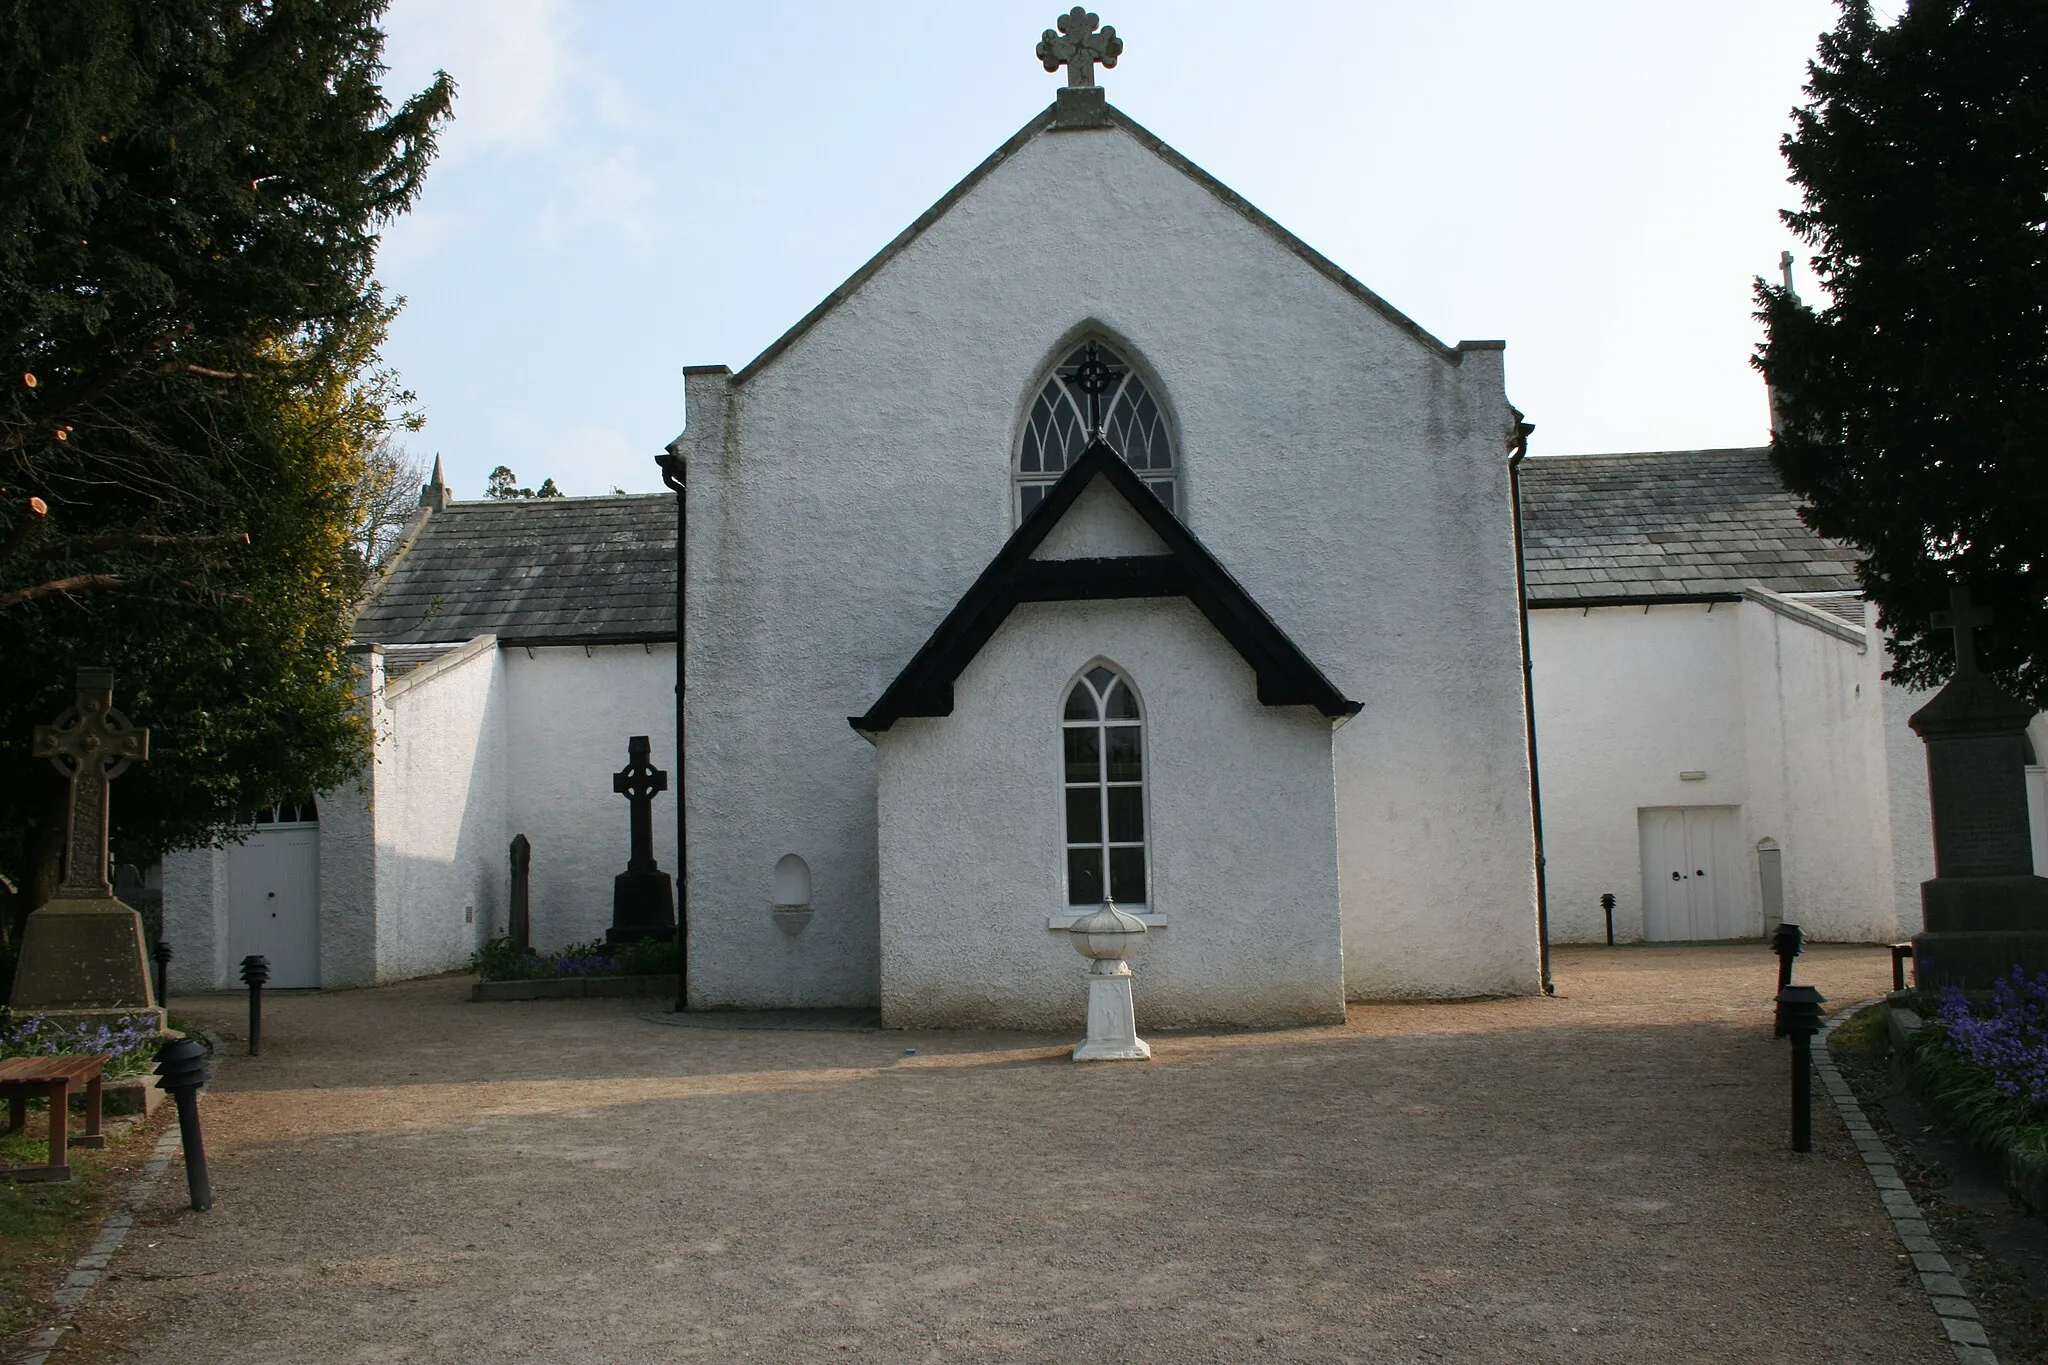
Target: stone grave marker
[
  {"x": 1985, "y": 912},
  {"x": 643, "y": 901},
  {"x": 83, "y": 952}
]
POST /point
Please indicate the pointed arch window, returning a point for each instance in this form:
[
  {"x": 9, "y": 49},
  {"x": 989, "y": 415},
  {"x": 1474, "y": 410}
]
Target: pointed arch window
[
  {"x": 1056, "y": 431},
  {"x": 1103, "y": 747}
]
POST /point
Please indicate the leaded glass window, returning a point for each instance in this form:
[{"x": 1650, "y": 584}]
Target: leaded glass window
[
  {"x": 1056, "y": 431},
  {"x": 1103, "y": 751}
]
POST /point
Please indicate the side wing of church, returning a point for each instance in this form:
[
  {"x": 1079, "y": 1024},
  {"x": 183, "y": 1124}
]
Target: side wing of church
[{"x": 1343, "y": 471}]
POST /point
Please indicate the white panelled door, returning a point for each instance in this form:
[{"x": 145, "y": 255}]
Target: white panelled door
[
  {"x": 1692, "y": 874},
  {"x": 274, "y": 898}
]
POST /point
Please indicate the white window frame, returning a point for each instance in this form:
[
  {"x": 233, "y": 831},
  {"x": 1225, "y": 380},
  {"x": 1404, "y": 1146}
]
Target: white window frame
[{"x": 1101, "y": 724}]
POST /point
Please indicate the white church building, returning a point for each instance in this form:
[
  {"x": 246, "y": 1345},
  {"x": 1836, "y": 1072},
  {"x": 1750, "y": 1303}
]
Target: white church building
[{"x": 1100, "y": 539}]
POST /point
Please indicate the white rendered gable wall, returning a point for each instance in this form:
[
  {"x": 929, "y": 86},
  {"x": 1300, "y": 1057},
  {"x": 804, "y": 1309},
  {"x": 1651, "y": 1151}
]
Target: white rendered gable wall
[{"x": 1350, "y": 475}]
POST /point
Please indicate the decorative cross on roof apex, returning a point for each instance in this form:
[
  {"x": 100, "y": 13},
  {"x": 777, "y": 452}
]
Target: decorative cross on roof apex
[
  {"x": 1078, "y": 47},
  {"x": 1962, "y": 618}
]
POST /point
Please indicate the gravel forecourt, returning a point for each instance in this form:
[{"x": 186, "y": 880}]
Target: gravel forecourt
[{"x": 1603, "y": 1176}]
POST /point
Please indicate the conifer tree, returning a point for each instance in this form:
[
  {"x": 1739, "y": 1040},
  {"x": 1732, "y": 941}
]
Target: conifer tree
[
  {"x": 1911, "y": 405},
  {"x": 190, "y": 196}
]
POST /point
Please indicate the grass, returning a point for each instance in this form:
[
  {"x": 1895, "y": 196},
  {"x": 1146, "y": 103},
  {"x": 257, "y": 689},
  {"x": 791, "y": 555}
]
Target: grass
[
  {"x": 45, "y": 1227},
  {"x": 1964, "y": 1093}
]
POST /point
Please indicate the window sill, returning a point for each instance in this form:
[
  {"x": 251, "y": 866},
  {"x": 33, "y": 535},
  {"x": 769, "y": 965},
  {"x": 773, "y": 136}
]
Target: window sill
[{"x": 1069, "y": 921}]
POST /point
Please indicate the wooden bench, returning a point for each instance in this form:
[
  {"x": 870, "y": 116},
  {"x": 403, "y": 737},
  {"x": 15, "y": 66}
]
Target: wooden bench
[
  {"x": 1900, "y": 952},
  {"x": 55, "y": 1077}
]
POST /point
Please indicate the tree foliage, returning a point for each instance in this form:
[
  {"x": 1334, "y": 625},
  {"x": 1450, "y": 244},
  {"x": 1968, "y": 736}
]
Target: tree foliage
[
  {"x": 190, "y": 195},
  {"x": 1911, "y": 406},
  {"x": 503, "y": 483}
]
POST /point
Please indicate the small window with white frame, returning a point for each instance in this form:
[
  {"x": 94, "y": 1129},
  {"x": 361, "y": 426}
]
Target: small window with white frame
[
  {"x": 1056, "y": 430},
  {"x": 1102, "y": 733}
]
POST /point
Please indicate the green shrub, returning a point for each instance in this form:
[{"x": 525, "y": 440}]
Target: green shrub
[{"x": 499, "y": 960}]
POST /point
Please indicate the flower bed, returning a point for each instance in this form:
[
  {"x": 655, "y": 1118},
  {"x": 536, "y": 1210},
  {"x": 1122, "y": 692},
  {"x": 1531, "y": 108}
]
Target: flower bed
[
  {"x": 1984, "y": 1064},
  {"x": 129, "y": 1043},
  {"x": 499, "y": 960}
]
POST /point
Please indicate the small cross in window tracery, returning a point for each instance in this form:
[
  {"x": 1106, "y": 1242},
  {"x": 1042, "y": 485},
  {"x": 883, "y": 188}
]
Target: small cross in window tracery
[{"x": 1094, "y": 376}]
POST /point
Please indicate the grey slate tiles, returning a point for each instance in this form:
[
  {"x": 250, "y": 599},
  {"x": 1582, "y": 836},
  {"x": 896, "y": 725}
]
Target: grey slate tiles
[
  {"x": 1669, "y": 524},
  {"x": 533, "y": 571}
]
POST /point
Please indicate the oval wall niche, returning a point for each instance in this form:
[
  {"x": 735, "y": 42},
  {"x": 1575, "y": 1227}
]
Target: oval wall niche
[{"x": 792, "y": 884}]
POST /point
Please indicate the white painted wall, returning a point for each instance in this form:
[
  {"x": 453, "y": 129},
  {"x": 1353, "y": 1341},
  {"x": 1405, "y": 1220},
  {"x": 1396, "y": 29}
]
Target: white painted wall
[
  {"x": 1350, "y": 476},
  {"x": 1240, "y": 808},
  {"x": 1788, "y": 722},
  {"x": 1817, "y": 779},
  {"x": 568, "y": 714},
  {"x": 1626, "y": 700},
  {"x": 439, "y": 804},
  {"x": 471, "y": 748}
]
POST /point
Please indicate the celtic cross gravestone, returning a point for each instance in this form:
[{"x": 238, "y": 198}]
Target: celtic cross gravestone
[
  {"x": 1984, "y": 912},
  {"x": 643, "y": 900},
  {"x": 83, "y": 951}
]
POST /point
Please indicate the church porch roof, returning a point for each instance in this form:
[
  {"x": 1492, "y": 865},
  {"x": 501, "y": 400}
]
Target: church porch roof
[
  {"x": 532, "y": 571},
  {"x": 1286, "y": 676}
]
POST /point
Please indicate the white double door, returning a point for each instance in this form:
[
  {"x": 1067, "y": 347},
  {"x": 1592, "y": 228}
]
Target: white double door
[
  {"x": 274, "y": 903},
  {"x": 1693, "y": 862}
]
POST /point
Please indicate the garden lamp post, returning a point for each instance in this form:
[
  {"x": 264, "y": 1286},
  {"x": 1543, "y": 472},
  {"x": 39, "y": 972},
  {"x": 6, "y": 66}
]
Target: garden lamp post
[
  {"x": 1799, "y": 1018},
  {"x": 181, "y": 1069},
  {"x": 255, "y": 971},
  {"x": 1106, "y": 937},
  {"x": 162, "y": 955},
  {"x": 1787, "y": 942}
]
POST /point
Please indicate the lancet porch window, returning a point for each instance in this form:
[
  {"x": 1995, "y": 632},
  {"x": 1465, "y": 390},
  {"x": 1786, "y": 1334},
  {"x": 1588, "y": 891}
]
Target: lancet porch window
[{"x": 1103, "y": 749}]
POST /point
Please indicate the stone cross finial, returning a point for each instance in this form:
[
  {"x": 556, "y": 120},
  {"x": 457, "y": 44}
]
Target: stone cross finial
[
  {"x": 1078, "y": 47},
  {"x": 91, "y": 744},
  {"x": 1962, "y": 618},
  {"x": 639, "y": 782}
]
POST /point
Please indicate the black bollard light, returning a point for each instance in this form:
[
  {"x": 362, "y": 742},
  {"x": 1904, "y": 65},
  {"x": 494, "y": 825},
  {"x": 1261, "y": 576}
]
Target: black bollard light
[
  {"x": 1787, "y": 942},
  {"x": 181, "y": 1069},
  {"x": 1607, "y": 904},
  {"x": 162, "y": 954},
  {"x": 255, "y": 971},
  {"x": 1799, "y": 1019}
]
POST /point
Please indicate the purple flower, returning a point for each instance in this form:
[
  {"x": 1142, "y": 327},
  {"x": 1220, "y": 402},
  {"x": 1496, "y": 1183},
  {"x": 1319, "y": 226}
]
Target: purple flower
[{"x": 2010, "y": 1040}]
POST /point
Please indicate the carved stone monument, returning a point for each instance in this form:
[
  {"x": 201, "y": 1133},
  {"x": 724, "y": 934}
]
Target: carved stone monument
[
  {"x": 520, "y": 930},
  {"x": 1079, "y": 47},
  {"x": 83, "y": 952},
  {"x": 1985, "y": 911},
  {"x": 643, "y": 901}
]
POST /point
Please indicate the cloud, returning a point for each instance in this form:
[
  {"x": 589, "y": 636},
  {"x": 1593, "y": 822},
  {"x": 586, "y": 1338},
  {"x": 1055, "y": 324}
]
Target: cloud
[{"x": 515, "y": 64}]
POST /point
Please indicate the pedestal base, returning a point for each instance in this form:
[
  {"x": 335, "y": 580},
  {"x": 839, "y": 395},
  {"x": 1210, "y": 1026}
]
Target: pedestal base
[
  {"x": 643, "y": 907},
  {"x": 1979, "y": 929},
  {"x": 84, "y": 959},
  {"x": 1112, "y": 1018}
]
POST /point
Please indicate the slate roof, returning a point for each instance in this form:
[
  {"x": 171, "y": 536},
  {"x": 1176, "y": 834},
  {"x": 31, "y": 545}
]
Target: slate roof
[
  {"x": 533, "y": 571},
  {"x": 1669, "y": 525}
]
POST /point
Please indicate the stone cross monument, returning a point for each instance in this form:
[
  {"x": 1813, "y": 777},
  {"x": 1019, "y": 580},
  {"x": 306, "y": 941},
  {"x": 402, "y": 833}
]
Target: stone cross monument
[
  {"x": 643, "y": 901},
  {"x": 1079, "y": 47},
  {"x": 83, "y": 952},
  {"x": 1985, "y": 912}
]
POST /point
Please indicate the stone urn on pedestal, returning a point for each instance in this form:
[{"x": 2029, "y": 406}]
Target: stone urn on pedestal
[{"x": 1106, "y": 938}]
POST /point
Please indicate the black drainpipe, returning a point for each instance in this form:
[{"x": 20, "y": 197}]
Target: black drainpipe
[
  {"x": 675, "y": 474},
  {"x": 1521, "y": 452}
]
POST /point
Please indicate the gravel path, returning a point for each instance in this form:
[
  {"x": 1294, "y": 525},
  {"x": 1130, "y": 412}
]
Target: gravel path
[{"x": 405, "y": 1176}]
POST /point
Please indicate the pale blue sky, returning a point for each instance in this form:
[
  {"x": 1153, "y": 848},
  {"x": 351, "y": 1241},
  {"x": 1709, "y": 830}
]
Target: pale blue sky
[{"x": 632, "y": 187}]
